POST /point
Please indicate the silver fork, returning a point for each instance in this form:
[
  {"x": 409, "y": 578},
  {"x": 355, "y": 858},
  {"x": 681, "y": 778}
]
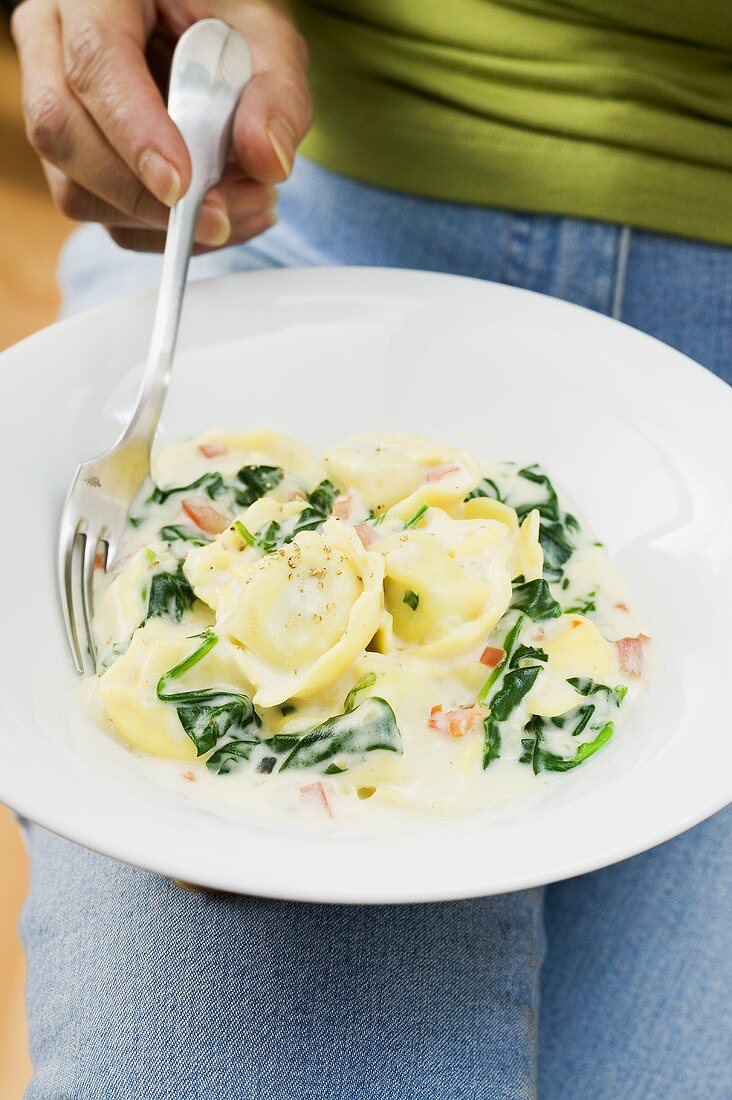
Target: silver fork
[{"x": 211, "y": 66}]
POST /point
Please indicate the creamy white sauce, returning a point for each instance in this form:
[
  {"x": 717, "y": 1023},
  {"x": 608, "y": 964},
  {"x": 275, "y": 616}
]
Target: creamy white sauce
[{"x": 437, "y": 774}]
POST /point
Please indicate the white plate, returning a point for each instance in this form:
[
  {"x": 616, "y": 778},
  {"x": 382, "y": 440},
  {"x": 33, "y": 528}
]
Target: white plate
[{"x": 322, "y": 353}]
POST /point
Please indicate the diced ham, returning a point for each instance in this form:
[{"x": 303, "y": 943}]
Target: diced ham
[
  {"x": 460, "y": 722},
  {"x": 212, "y": 450},
  {"x": 455, "y": 722},
  {"x": 630, "y": 654},
  {"x": 100, "y": 558},
  {"x": 342, "y": 505},
  {"x": 492, "y": 657},
  {"x": 366, "y": 534},
  {"x": 205, "y": 516},
  {"x": 314, "y": 793},
  {"x": 436, "y": 720},
  {"x": 441, "y": 472}
]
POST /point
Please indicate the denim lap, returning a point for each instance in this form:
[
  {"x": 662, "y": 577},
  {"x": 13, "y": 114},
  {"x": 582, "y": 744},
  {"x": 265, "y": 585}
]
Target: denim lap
[{"x": 139, "y": 989}]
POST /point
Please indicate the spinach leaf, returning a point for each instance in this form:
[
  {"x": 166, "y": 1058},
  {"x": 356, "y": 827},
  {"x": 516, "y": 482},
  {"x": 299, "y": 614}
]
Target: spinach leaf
[
  {"x": 491, "y": 742},
  {"x": 486, "y": 488},
  {"x": 250, "y": 483},
  {"x": 583, "y": 607},
  {"x": 323, "y": 497},
  {"x": 176, "y": 532},
  {"x": 549, "y": 507},
  {"x": 542, "y": 760},
  {"x": 508, "y": 647},
  {"x": 516, "y": 684},
  {"x": 534, "y": 599},
  {"x": 416, "y": 517},
  {"x": 170, "y": 596},
  {"x": 371, "y": 725},
  {"x": 580, "y": 716},
  {"x": 556, "y": 528},
  {"x": 574, "y": 722},
  {"x": 531, "y": 744},
  {"x": 526, "y": 652},
  {"x": 366, "y": 681},
  {"x": 208, "y": 714},
  {"x": 280, "y": 744},
  {"x": 230, "y": 756},
  {"x": 213, "y": 484},
  {"x": 584, "y": 686},
  {"x": 216, "y": 714},
  {"x": 209, "y": 641},
  {"x": 276, "y": 535},
  {"x": 257, "y": 481},
  {"x": 411, "y": 599},
  {"x": 557, "y": 549},
  {"x": 246, "y": 534}
]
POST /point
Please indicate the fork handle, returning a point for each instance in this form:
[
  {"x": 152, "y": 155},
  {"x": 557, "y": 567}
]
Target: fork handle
[
  {"x": 154, "y": 386},
  {"x": 211, "y": 66}
]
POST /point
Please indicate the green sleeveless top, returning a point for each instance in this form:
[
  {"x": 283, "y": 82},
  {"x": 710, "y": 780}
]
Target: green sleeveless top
[{"x": 619, "y": 110}]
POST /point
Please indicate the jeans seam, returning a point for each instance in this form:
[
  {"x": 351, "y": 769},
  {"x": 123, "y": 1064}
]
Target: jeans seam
[
  {"x": 621, "y": 267},
  {"x": 514, "y": 260}
]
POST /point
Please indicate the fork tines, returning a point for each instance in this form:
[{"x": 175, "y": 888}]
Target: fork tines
[{"x": 80, "y": 552}]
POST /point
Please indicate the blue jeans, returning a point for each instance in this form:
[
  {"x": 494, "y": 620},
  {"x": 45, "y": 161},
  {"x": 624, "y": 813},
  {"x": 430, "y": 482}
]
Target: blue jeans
[{"x": 614, "y": 984}]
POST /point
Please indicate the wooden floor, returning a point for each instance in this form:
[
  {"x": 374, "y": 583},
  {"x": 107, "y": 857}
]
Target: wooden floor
[{"x": 31, "y": 232}]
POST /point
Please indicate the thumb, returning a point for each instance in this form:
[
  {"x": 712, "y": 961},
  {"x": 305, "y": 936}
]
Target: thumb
[{"x": 275, "y": 111}]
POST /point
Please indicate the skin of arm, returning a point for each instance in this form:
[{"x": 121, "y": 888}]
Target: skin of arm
[{"x": 94, "y": 76}]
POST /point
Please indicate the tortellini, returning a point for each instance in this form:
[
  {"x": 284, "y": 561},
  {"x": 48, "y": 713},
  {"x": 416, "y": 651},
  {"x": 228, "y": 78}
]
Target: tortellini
[
  {"x": 487, "y": 508},
  {"x": 306, "y": 612},
  {"x": 447, "y": 584},
  {"x": 579, "y": 649},
  {"x": 574, "y": 649},
  {"x": 396, "y": 571},
  {"x": 529, "y": 556},
  {"x": 387, "y": 469},
  {"x": 122, "y": 608},
  {"x": 226, "y": 452},
  {"x": 128, "y": 688},
  {"x": 218, "y": 571}
]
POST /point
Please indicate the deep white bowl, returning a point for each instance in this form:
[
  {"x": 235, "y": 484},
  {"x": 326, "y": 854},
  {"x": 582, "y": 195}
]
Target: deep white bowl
[{"x": 635, "y": 432}]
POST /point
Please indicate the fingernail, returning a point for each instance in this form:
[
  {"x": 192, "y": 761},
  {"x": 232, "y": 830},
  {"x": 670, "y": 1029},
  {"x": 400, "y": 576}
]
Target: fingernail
[
  {"x": 282, "y": 141},
  {"x": 159, "y": 176},
  {"x": 274, "y": 217},
  {"x": 214, "y": 227}
]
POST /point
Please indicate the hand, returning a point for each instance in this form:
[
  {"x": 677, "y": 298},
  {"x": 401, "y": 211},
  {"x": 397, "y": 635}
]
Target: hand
[{"x": 93, "y": 71}]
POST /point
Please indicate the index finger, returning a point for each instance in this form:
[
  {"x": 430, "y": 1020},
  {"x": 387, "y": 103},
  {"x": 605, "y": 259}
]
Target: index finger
[{"x": 104, "y": 57}]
